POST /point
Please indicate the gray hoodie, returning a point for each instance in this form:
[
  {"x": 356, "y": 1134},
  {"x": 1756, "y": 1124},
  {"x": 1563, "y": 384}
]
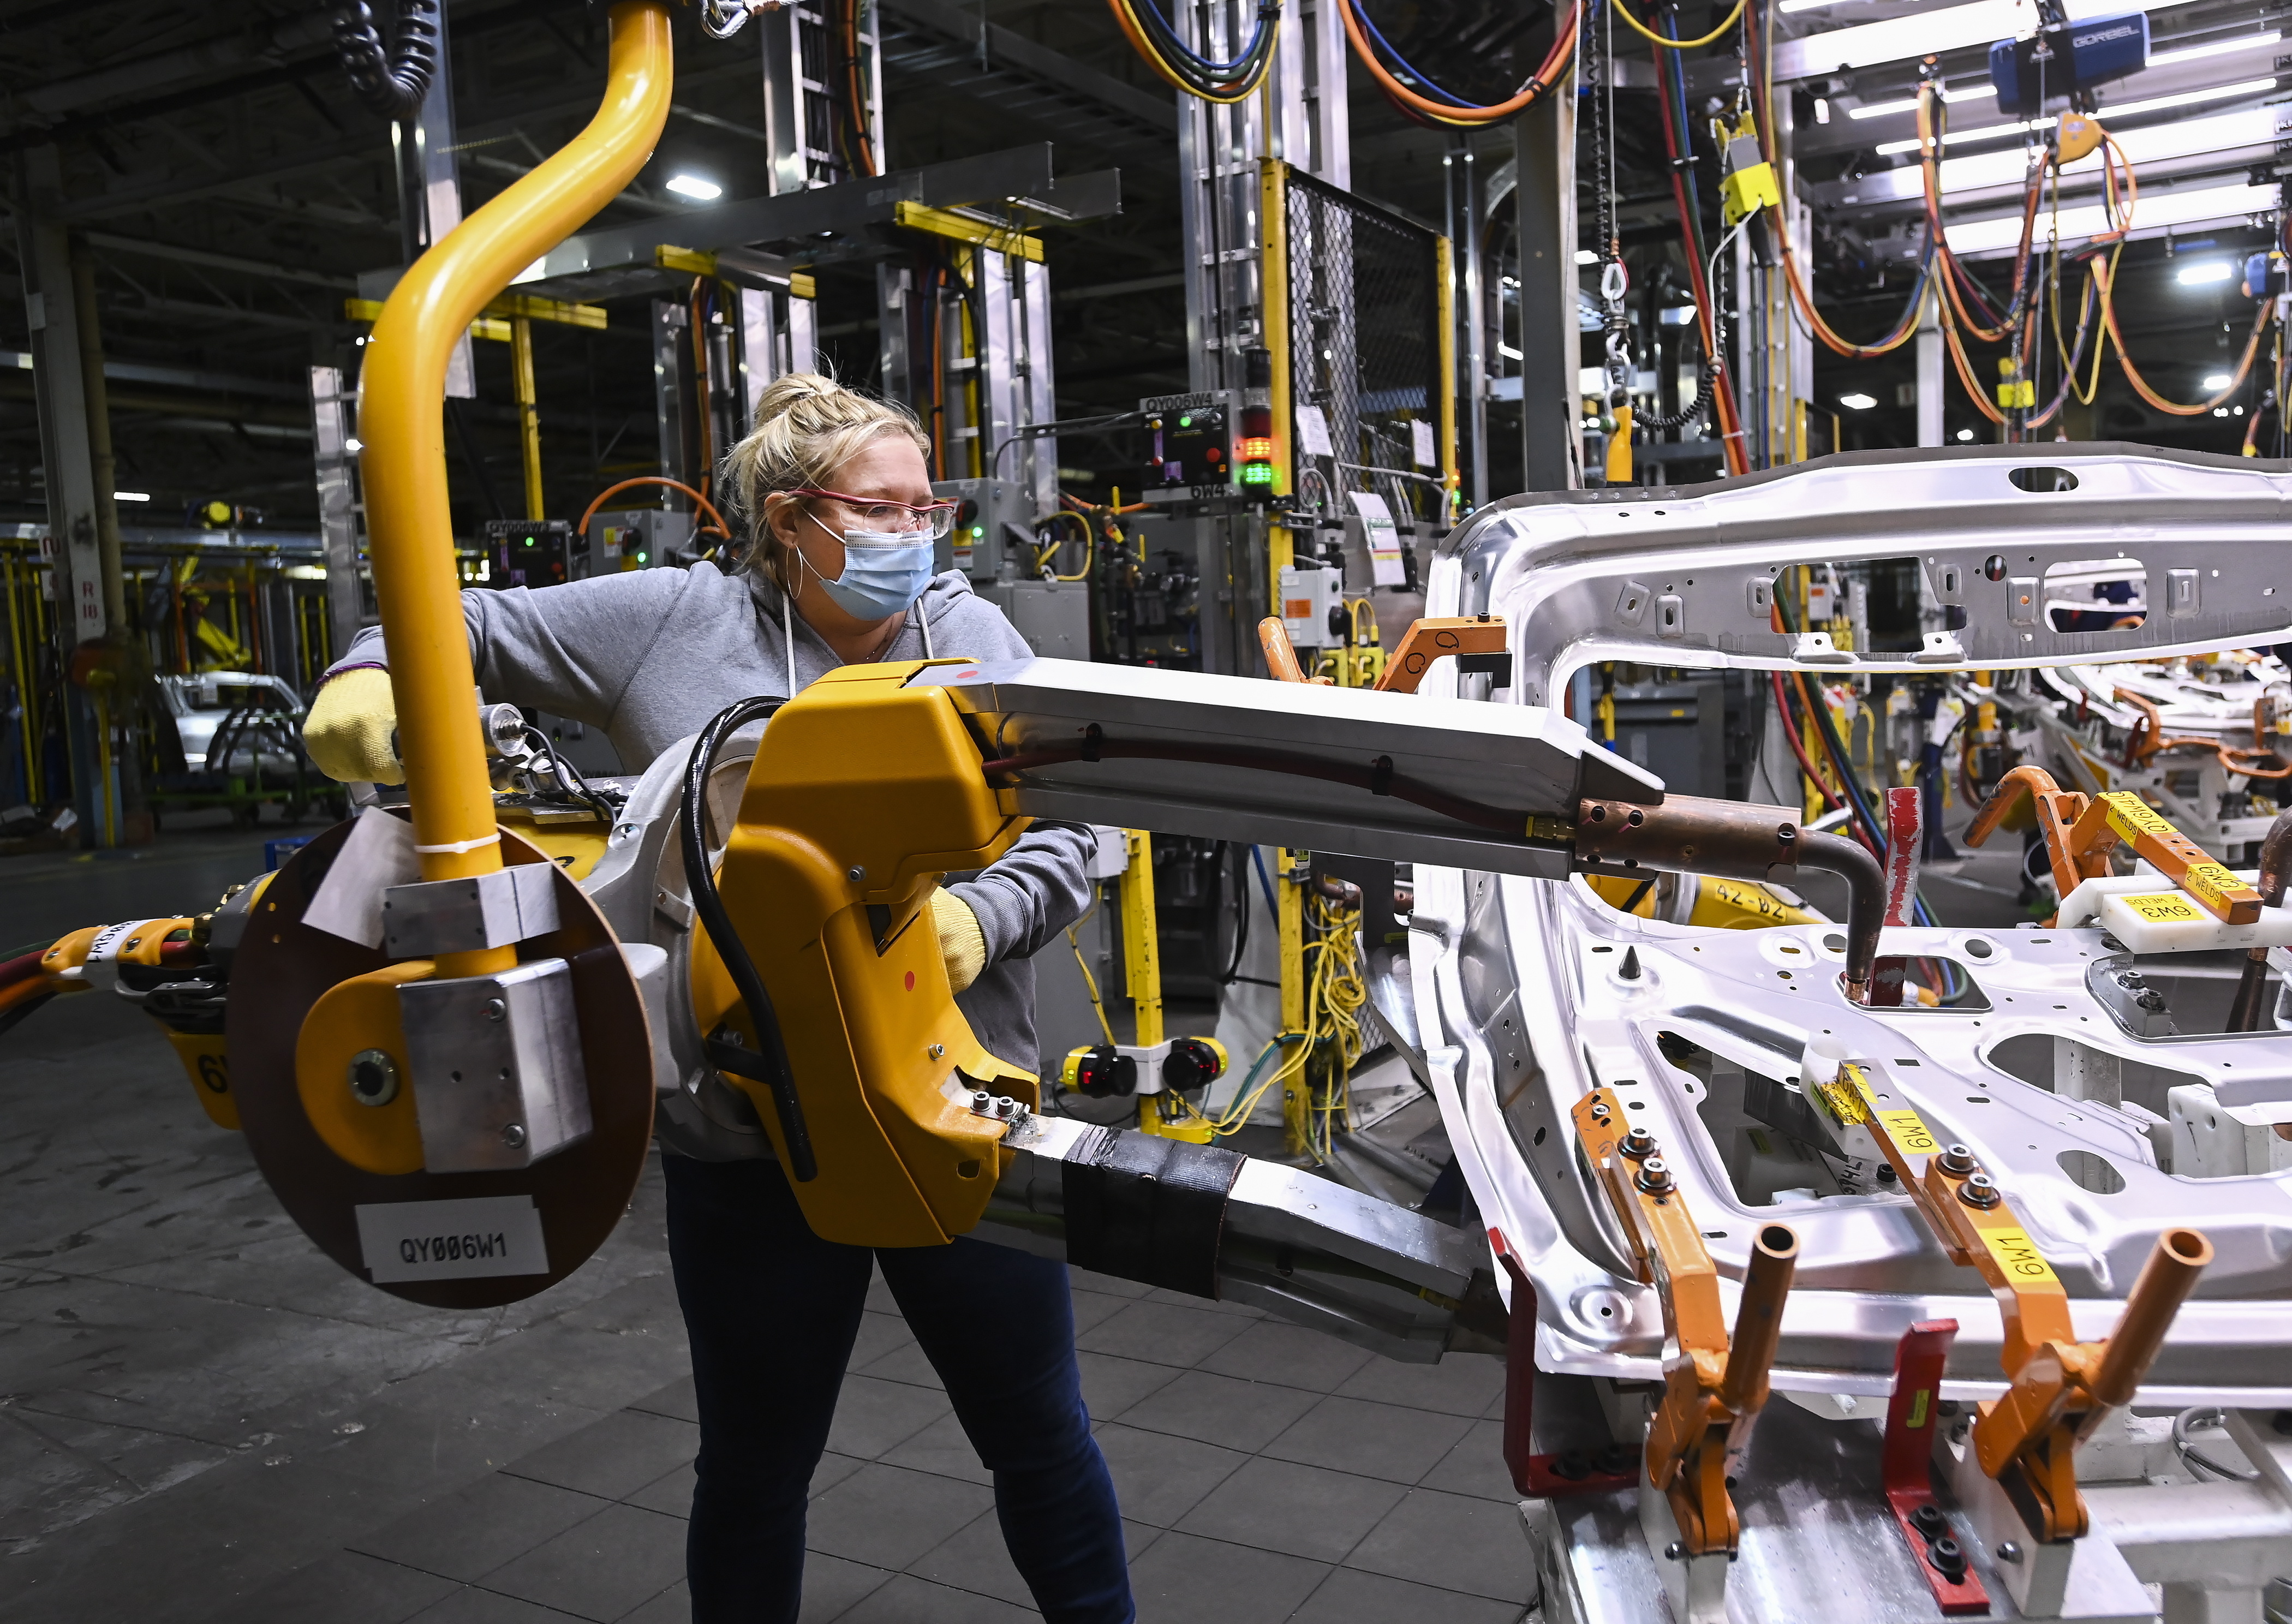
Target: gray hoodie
[{"x": 650, "y": 655}]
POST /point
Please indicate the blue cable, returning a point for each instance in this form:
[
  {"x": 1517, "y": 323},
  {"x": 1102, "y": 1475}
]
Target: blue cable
[
  {"x": 1402, "y": 62},
  {"x": 1257, "y": 858}
]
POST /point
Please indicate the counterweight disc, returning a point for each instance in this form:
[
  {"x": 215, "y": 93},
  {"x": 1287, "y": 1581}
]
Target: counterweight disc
[{"x": 283, "y": 966}]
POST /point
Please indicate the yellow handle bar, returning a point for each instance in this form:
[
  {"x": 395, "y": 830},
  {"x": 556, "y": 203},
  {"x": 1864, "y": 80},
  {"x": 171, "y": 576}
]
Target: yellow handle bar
[{"x": 401, "y": 395}]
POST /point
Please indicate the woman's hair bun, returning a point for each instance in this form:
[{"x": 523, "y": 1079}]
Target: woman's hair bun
[{"x": 807, "y": 425}]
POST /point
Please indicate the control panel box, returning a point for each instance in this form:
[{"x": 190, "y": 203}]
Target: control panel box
[
  {"x": 994, "y": 534},
  {"x": 1192, "y": 447},
  {"x": 529, "y": 553},
  {"x": 636, "y": 539},
  {"x": 1053, "y": 617},
  {"x": 1310, "y": 597}
]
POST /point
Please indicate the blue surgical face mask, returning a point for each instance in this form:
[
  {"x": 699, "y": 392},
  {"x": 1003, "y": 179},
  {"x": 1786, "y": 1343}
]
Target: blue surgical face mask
[{"x": 883, "y": 572}]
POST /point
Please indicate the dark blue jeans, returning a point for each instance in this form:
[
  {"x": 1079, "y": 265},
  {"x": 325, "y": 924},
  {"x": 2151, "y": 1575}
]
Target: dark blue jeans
[{"x": 773, "y": 1310}]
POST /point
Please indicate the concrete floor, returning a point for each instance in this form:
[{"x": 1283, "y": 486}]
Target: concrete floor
[{"x": 201, "y": 1417}]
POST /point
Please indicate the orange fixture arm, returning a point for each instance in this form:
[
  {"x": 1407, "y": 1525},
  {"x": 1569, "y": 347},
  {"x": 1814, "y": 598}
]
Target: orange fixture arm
[
  {"x": 401, "y": 395},
  {"x": 1714, "y": 1386},
  {"x": 2119, "y": 816},
  {"x": 1426, "y": 641},
  {"x": 2058, "y": 811},
  {"x": 2062, "y": 1387}
]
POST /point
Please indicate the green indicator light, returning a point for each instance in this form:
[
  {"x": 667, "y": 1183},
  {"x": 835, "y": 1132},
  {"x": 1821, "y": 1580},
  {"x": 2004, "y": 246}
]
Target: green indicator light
[
  {"x": 1185, "y": 422},
  {"x": 977, "y": 530},
  {"x": 641, "y": 558},
  {"x": 529, "y": 541},
  {"x": 1257, "y": 473}
]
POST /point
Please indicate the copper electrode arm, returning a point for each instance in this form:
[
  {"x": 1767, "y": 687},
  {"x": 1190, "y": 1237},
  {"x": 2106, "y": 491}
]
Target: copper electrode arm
[{"x": 1728, "y": 839}]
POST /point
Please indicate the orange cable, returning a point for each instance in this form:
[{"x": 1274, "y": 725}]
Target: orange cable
[
  {"x": 611, "y": 491},
  {"x": 1540, "y": 83}
]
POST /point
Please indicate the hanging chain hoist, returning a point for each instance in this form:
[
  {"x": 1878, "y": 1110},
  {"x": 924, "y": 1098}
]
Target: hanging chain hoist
[{"x": 1617, "y": 371}]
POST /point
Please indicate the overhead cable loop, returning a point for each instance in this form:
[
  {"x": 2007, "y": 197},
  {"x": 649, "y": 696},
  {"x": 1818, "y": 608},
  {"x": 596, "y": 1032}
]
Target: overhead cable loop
[
  {"x": 391, "y": 81},
  {"x": 1549, "y": 79},
  {"x": 1152, "y": 35},
  {"x": 1712, "y": 38}
]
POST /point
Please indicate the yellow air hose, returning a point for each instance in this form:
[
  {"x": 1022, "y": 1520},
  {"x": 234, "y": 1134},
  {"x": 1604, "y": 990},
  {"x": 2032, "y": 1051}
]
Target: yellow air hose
[{"x": 402, "y": 396}]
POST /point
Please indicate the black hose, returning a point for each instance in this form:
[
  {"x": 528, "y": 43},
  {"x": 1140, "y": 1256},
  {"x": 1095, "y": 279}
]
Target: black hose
[
  {"x": 394, "y": 81},
  {"x": 1866, "y": 897},
  {"x": 769, "y": 1064},
  {"x": 1240, "y": 856}
]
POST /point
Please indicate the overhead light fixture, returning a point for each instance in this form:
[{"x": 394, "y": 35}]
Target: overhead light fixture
[
  {"x": 1585, "y": 257},
  {"x": 1964, "y": 434},
  {"x": 2190, "y": 97},
  {"x": 2202, "y": 272},
  {"x": 1508, "y": 352},
  {"x": 1678, "y": 315},
  {"x": 1981, "y": 90},
  {"x": 2155, "y": 104},
  {"x": 1822, "y": 109},
  {"x": 1927, "y": 31},
  {"x": 2152, "y": 143},
  {"x": 1858, "y": 402},
  {"x": 2216, "y": 382},
  {"x": 2159, "y": 211},
  {"x": 1959, "y": 138},
  {"x": 693, "y": 187},
  {"x": 2219, "y": 47},
  {"x": 130, "y": 496},
  {"x": 353, "y": 444}
]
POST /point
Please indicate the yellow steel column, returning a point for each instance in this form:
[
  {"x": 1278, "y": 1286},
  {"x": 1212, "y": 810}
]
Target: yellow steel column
[
  {"x": 401, "y": 395},
  {"x": 1274, "y": 283},
  {"x": 1142, "y": 952},
  {"x": 1445, "y": 267},
  {"x": 20, "y": 665},
  {"x": 528, "y": 412},
  {"x": 1295, "y": 1090}
]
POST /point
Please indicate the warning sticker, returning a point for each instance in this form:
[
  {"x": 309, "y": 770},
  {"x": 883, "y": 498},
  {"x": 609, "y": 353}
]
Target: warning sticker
[{"x": 2165, "y": 907}]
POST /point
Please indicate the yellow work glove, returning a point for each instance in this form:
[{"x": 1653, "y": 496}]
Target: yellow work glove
[
  {"x": 351, "y": 726},
  {"x": 960, "y": 941}
]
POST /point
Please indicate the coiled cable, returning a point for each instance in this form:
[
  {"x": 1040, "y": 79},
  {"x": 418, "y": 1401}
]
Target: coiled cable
[{"x": 392, "y": 81}]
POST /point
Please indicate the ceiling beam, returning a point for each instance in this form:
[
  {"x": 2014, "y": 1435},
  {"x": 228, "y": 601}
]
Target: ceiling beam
[{"x": 219, "y": 262}]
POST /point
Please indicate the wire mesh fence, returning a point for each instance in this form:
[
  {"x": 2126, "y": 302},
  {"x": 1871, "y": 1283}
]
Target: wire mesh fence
[{"x": 1364, "y": 351}]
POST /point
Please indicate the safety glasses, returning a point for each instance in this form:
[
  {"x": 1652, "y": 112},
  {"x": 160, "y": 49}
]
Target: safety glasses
[{"x": 934, "y": 518}]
